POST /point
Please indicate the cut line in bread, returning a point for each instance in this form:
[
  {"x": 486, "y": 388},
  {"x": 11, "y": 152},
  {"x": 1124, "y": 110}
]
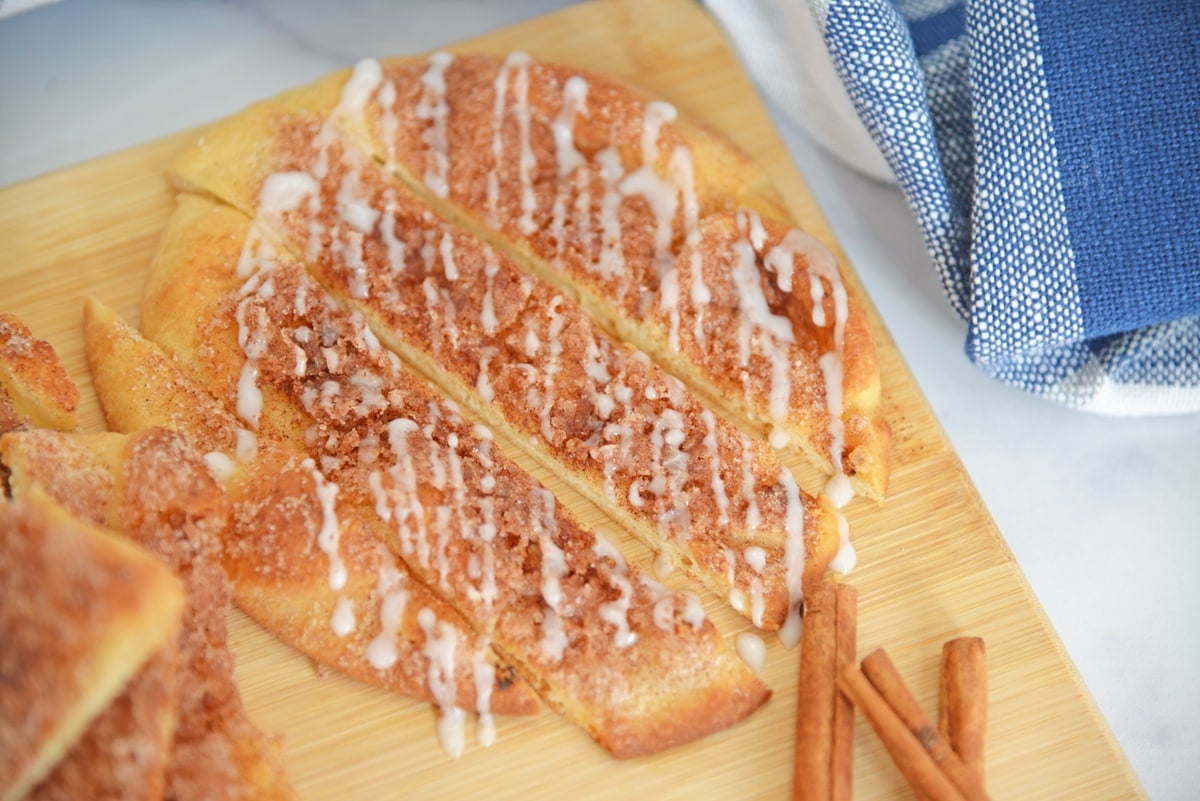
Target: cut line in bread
[
  {"x": 81, "y": 610},
  {"x": 156, "y": 491},
  {"x": 529, "y": 361},
  {"x": 300, "y": 560},
  {"x": 604, "y": 193},
  {"x": 636, "y": 665}
]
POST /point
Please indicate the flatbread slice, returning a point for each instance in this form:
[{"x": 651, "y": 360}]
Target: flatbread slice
[
  {"x": 154, "y": 489},
  {"x": 526, "y": 359},
  {"x": 124, "y": 752},
  {"x": 300, "y": 560},
  {"x": 82, "y": 610},
  {"x": 35, "y": 389},
  {"x": 636, "y": 665},
  {"x": 604, "y": 192}
]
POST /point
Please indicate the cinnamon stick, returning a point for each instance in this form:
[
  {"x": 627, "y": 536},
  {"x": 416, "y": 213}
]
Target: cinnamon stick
[
  {"x": 823, "y": 767},
  {"x": 882, "y": 674},
  {"x": 907, "y": 752},
  {"x": 962, "y": 700}
]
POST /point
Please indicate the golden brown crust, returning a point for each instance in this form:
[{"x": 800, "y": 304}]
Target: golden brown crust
[
  {"x": 279, "y": 574},
  {"x": 35, "y": 389},
  {"x": 81, "y": 610},
  {"x": 351, "y": 392}
]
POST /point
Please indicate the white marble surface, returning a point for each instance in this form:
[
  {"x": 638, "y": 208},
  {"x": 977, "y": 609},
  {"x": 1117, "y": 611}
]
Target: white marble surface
[{"x": 1102, "y": 514}]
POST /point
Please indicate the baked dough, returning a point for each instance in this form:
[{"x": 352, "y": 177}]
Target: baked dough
[
  {"x": 157, "y": 491},
  {"x": 35, "y": 389},
  {"x": 636, "y": 665},
  {"x": 124, "y": 752},
  {"x": 81, "y": 610},
  {"x": 525, "y": 358},
  {"x": 605, "y": 193},
  {"x": 300, "y": 560}
]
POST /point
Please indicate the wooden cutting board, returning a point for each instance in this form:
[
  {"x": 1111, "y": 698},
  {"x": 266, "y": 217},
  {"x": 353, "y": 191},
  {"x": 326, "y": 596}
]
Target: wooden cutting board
[{"x": 931, "y": 563}]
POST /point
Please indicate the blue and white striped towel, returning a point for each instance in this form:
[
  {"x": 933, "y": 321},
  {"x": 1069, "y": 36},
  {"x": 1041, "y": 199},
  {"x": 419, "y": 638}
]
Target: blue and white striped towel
[{"x": 1051, "y": 154}]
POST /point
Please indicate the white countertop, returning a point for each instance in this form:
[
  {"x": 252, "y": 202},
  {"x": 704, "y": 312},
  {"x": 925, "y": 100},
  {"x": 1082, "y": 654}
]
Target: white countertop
[{"x": 1102, "y": 514}]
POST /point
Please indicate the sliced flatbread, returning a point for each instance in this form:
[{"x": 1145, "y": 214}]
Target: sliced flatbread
[
  {"x": 516, "y": 352},
  {"x": 604, "y": 192},
  {"x": 124, "y": 753},
  {"x": 636, "y": 665},
  {"x": 157, "y": 491},
  {"x": 81, "y": 610},
  {"x": 300, "y": 560}
]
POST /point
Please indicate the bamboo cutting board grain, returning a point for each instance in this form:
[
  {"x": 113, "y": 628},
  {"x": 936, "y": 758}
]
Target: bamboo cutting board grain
[{"x": 931, "y": 563}]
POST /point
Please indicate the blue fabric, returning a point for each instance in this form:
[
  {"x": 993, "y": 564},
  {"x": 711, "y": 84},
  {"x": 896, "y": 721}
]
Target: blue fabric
[{"x": 1051, "y": 153}]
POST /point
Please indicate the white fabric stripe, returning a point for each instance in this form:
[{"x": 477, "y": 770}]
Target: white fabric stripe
[{"x": 1025, "y": 296}]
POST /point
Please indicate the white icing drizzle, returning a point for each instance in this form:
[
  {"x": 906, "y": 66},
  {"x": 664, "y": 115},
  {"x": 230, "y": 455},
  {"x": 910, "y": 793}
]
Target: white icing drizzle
[
  {"x": 446, "y": 251},
  {"x": 397, "y": 250},
  {"x": 683, "y": 175},
  {"x": 485, "y": 679},
  {"x": 393, "y": 599},
  {"x": 720, "y": 496},
  {"x": 387, "y": 120},
  {"x": 283, "y": 192},
  {"x": 434, "y": 108},
  {"x": 569, "y": 160},
  {"x": 354, "y": 206},
  {"x": 575, "y": 91},
  {"x": 822, "y": 270},
  {"x": 843, "y": 561},
  {"x": 611, "y": 261},
  {"x": 219, "y": 465},
  {"x": 301, "y": 361},
  {"x": 737, "y": 598},
  {"x": 757, "y": 324},
  {"x": 517, "y": 63},
  {"x": 693, "y": 611},
  {"x": 604, "y": 548},
  {"x": 487, "y": 558},
  {"x": 616, "y": 612},
  {"x": 365, "y": 78},
  {"x": 663, "y": 611},
  {"x": 663, "y": 565},
  {"x": 487, "y": 309},
  {"x": 330, "y": 532},
  {"x": 670, "y": 474},
  {"x": 342, "y": 621},
  {"x": 752, "y": 650},
  {"x": 383, "y": 502},
  {"x": 439, "y": 649},
  {"x": 247, "y": 445},
  {"x": 407, "y": 502},
  {"x": 483, "y": 384},
  {"x": 526, "y": 161},
  {"x": 553, "y": 568},
  {"x": 500, "y": 91},
  {"x": 660, "y": 194},
  {"x": 757, "y": 601},
  {"x": 793, "y": 557},
  {"x": 749, "y": 485},
  {"x": 554, "y": 349},
  {"x": 756, "y": 557}
]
